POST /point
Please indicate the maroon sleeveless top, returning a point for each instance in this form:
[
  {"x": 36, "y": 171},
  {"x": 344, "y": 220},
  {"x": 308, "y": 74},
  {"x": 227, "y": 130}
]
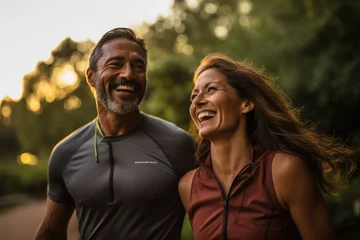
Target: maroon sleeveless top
[{"x": 251, "y": 211}]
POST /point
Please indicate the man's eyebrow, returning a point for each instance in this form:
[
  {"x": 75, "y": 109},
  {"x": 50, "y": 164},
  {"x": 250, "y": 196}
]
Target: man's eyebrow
[{"x": 118, "y": 58}]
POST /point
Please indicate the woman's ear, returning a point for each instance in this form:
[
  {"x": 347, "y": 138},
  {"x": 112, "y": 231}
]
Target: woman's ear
[
  {"x": 247, "y": 106},
  {"x": 90, "y": 77}
]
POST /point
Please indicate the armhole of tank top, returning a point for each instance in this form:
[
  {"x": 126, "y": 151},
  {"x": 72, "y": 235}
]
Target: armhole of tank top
[
  {"x": 190, "y": 194},
  {"x": 270, "y": 181}
]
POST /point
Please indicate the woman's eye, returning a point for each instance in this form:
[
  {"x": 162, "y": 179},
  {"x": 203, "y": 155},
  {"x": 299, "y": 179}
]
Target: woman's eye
[{"x": 211, "y": 89}]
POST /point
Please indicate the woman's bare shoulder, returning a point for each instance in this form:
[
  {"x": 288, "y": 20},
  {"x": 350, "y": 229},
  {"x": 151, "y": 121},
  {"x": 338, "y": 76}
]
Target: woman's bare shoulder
[
  {"x": 184, "y": 187},
  {"x": 186, "y": 180},
  {"x": 287, "y": 163},
  {"x": 290, "y": 172}
]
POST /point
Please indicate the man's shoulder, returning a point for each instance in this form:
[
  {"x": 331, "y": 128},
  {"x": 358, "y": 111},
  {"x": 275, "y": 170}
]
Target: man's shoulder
[
  {"x": 176, "y": 143},
  {"x": 163, "y": 126},
  {"x": 75, "y": 139}
]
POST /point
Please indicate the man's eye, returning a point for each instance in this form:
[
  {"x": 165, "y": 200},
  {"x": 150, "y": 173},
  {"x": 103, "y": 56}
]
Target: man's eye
[
  {"x": 140, "y": 67},
  {"x": 115, "y": 64}
]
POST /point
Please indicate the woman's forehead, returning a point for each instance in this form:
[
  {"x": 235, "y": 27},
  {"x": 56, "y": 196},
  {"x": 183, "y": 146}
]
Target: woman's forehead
[{"x": 210, "y": 75}]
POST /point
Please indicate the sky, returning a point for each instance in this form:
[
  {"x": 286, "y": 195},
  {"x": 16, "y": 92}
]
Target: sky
[{"x": 31, "y": 29}]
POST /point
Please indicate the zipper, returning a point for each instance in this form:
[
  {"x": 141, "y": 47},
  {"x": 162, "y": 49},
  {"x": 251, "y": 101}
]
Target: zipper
[
  {"x": 226, "y": 199},
  {"x": 226, "y": 208},
  {"x": 111, "y": 175},
  {"x": 226, "y": 213}
]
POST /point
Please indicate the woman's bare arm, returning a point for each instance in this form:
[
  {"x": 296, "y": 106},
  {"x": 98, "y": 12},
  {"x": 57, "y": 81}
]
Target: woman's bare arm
[
  {"x": 184, "y": 188},
  {"x": 298, "y": 192}
]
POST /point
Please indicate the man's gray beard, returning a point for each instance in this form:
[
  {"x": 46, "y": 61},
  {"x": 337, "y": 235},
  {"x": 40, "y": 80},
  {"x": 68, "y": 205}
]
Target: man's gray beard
[{"x": 119, "y": 109}]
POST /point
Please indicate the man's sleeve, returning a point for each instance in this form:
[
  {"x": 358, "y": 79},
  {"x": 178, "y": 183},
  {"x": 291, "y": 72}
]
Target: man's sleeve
[
  {"x": 186, "y": 153},
  {"x": 57, "y": 190}
]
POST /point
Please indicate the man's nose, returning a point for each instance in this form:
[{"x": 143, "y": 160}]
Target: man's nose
[{"x": 127, "y": 72}]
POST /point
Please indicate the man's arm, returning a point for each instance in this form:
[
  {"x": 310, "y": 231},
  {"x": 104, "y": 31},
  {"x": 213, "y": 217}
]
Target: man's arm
[
  {"x": 55, "y": 222},
  {"x": 298, "y": 192}
]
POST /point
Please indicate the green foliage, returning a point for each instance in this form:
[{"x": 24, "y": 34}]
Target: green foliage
[
  {"x": 46, "y": 102},
  {"x": 343, "y": 207},
  {"x": 16, "y": 178},
  {"x": 342, "y": 204},
  {"x": 186, "y": 233},
  {"x": 168, "y": 85},
  {"x": 311, "y": 46},
  {"x": 8, "y": 142}
]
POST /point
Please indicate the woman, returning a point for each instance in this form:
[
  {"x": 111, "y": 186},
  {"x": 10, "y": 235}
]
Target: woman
[{"x": 261, "y": 171}]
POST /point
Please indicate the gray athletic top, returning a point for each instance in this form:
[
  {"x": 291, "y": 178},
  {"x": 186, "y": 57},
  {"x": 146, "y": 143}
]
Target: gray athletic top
[{"x": 130, "y": 190}]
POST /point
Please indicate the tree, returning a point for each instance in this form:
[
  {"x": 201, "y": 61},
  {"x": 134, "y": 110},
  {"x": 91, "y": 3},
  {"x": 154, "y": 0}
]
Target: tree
[
  {"x": 311, "y": 47},
  {"x": 56, "y": 99}
]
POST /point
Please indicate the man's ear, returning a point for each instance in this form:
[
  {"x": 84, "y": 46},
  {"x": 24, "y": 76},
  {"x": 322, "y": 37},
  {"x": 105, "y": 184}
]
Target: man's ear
[
  {"x": 247, "y": 106},
  {"x": 90, "y": 77}
]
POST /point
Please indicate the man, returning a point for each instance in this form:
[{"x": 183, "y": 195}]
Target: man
[{"x": 121, "y": 170}]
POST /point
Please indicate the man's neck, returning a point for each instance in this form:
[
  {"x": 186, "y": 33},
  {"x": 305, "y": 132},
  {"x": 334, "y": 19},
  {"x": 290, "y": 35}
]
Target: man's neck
[{"x": 112, "y": 124}]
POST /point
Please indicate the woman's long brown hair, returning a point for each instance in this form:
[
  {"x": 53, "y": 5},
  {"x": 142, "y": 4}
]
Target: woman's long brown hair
[{"x": 274, "y": 124}]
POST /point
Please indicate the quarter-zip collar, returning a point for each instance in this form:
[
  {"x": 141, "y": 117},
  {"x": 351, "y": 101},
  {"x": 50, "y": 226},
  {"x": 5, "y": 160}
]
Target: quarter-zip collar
[{"x": 109, "y": 140}]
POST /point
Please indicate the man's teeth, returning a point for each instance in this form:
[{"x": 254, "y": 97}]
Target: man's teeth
[
  {"x": 206, "y": 114},
  {"x": 125, "y": 87}
]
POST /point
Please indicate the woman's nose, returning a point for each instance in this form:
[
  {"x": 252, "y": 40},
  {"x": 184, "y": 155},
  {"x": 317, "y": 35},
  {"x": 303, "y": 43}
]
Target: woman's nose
[{"x": 199, "y": 100}]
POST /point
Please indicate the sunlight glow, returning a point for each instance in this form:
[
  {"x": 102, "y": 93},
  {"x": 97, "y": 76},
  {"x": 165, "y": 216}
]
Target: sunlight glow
[
  {"x": 33, "y": 103},
  {"x": 32, "y": 36},
  {"x": 221, "y": 32},
  {"x": 28, "y": 159},
  {"x": 6, "y": 111},
  {"x": 81, "y": 66},
  {"x": 244, "y": 21},
  {"x": 210, "y": 8},
  {"x": 64, "y": 80},
  {"x": 67, "y": 77},
  {"x": 193, "y": 4},
  {"x": 45, "y": 91},
  {"x": 180, "y": 28},
  {"x": 245, "y": 7},
  {"x": 187, "y": 49},
  {"x": 72, "y": 103}
]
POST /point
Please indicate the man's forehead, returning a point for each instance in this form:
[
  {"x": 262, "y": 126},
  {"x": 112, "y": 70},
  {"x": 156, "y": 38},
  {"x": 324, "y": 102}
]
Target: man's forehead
[{"x": 122, "y": 46}]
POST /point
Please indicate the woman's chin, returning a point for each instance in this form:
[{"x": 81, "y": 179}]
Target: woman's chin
[{"x": 206, "y": 134}]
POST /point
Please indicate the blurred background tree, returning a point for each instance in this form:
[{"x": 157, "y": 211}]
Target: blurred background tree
[{"x": 311, "y": 47}]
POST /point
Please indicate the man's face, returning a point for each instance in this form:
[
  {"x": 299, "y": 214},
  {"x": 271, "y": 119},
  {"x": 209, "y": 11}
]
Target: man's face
[{"x": 120, "y": 79}]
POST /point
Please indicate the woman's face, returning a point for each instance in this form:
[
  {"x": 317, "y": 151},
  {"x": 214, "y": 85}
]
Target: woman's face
[{"x": 215, "y": 107}]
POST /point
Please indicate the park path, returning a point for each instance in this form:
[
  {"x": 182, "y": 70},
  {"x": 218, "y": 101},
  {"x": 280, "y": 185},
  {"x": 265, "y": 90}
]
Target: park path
[{"x": 21, "y": 222}]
